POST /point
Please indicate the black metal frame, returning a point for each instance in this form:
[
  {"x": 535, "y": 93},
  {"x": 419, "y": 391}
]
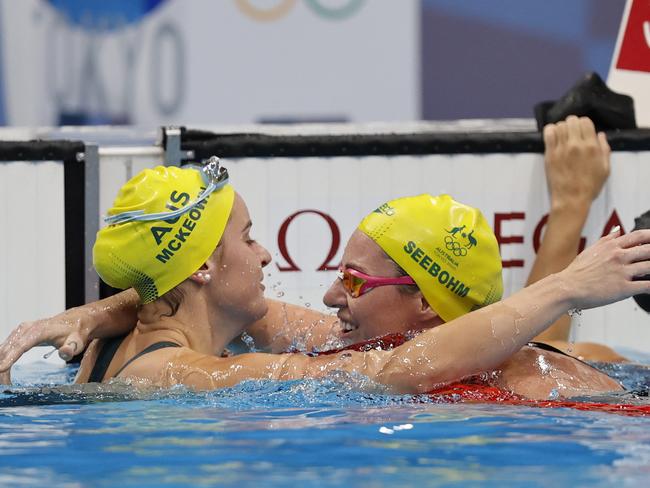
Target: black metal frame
[
  {"x": 203, "y": 144},
  {"x": 70, "y": 153}
]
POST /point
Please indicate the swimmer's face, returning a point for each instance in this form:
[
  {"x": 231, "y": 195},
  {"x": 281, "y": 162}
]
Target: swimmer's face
[
  {"x": 236, "y": 286},
  {"x": 380, "y": 311}
]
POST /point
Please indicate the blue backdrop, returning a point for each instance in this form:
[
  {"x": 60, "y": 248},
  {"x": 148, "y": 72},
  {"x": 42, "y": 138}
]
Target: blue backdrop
[{"x": 499, "y": 58}]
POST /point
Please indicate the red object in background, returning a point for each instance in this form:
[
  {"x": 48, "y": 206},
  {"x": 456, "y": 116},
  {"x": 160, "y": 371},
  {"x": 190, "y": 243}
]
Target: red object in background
[
  {"x": 501, "y": 239},
  {"x": 635, "y": 48},
  {"x": 334, "y": 248}
]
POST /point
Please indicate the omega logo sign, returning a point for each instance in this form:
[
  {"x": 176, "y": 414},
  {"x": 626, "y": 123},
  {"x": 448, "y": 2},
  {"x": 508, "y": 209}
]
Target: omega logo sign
[{"x": 327, "y": 264}]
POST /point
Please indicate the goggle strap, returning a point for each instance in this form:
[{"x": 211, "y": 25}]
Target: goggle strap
[{"x": 210, "y": 174}]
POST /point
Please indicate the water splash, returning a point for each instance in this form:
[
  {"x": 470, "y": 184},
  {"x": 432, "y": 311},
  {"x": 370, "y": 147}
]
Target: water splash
[
  {"x": 543, "y": 365},
  {"x": 337, "y": 390},
  {"x": 249, "y": 341},
  {"x": 575, "y": 312},
  {"x": 576, "y": 322}
]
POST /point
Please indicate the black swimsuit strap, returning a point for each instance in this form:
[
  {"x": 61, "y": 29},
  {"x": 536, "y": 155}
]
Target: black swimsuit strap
[
  {"x": 147, "y": 350},
  {"x": 548, "y": 347},
  {"x": 104, "y": 359}
]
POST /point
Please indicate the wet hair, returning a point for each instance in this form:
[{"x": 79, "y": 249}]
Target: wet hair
[
  {"x": 173, "y": 298},
  {"x": 405, "y": 289},
  {"x": 643, "y": 300}
]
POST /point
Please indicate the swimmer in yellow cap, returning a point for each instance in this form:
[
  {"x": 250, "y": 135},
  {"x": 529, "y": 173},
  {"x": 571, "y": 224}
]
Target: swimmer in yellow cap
[
  {"x": 442, "y": 260},
  {"x": 205, "y": 315},
  {"x": 446, "y": 252},
  {"x": 165, "y": 223}
]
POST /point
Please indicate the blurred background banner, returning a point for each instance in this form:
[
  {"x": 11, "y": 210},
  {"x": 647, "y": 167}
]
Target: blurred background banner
[
  {"x": 153, "y": 62},
  {"x": 498, "y": 58}
]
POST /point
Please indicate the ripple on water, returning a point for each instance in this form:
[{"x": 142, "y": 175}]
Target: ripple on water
[{"x": 324, "y": 432}]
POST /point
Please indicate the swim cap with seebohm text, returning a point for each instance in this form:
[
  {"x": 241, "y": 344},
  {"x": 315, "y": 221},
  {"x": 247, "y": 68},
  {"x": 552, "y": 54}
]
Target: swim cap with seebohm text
[{"x": 446, "y": 247}]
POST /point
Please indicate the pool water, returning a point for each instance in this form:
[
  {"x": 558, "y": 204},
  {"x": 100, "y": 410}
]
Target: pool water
[{"x": 321, "y": 433}]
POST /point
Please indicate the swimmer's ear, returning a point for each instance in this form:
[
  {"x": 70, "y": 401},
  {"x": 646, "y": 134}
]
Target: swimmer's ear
[
  {"x": 427, "y": 314},
  {"x": 202, "y": 276},
  {"x": 425, "y": 307}
]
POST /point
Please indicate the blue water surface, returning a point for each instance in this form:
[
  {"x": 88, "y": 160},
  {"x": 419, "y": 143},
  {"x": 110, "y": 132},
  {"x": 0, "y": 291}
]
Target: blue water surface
[{"x": 320, "y": 433}]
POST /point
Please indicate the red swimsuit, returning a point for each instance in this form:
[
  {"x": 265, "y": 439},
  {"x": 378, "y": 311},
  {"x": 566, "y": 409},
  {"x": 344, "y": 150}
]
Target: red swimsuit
[{"x": 475, "y": 390}]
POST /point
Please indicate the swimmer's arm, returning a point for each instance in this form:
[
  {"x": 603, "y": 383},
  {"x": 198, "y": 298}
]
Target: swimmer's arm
[
  {"x": 110, "y": 317},
  {"x": 88, "y": 361},
  {"x": 478, "y": 341},
  {"x": 286, "y": 325},
  {"x": 72, "y": 330},
  {"x": 577, "y": 164},
  {"x": 558, "y": 248}
]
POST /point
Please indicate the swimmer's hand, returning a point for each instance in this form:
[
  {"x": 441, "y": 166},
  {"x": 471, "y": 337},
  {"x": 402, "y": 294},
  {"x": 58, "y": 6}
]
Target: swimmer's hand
[
  {"x": 71, "y": 331},
  {"x": 577, "y": 161},
  {"x": 67, "y": 332},
  {"x": 604, "y": 273}
]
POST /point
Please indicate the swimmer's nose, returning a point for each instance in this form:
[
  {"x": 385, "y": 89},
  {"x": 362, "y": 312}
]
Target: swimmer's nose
[
  {"x": 335, "y": 296},
  {"x": 265, "y": 256}
]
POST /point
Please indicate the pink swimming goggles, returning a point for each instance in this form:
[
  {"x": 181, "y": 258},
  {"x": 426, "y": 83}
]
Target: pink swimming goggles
[{"x": 357, "y": 283}]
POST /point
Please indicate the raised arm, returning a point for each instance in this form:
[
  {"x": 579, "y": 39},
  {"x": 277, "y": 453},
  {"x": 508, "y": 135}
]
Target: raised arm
[
  {"x": 577, "y": 166},
  {"x": 478, "y": 341}
]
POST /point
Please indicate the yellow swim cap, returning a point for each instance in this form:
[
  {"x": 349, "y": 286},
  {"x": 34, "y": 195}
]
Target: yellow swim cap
[
  {"x": 446, "y": 247},
  {"x": 151, "y": 255}
]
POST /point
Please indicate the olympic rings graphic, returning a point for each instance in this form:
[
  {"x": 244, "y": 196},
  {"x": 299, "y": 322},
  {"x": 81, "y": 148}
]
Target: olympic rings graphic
[
  {"x": 282, "y": 8},
  {"x": 335, "y": 13},
  {"x": 265, "y": 14},
  {"x": 454, "y": 246}
]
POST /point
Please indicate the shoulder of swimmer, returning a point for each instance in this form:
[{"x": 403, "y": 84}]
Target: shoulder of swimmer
[
  {"x": 535, "y": 373},
  {"x": 132, "y": 357}
]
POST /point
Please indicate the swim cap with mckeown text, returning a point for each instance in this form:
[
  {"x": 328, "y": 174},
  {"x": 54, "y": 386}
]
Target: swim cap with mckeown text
[
  {"x": 155, "y": 256},
  {"x": 446, "y": 247}
]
